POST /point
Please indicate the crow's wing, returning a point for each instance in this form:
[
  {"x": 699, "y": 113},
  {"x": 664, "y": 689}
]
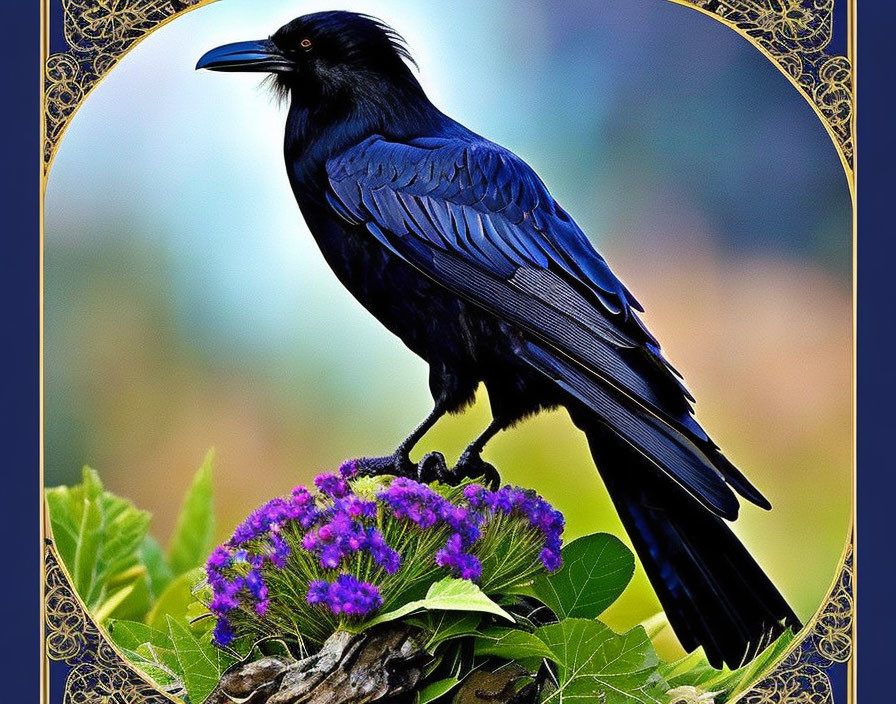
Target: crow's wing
[{"x": 477, "y": 219}]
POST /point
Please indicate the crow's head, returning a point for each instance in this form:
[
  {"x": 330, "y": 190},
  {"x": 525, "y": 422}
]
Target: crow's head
[{"x": 322, "y": 55}]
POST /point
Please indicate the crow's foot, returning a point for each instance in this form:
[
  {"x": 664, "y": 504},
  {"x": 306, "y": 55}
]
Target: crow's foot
[
  {"x": 472, "y": 466},
  {"x": 431, "y": 468},
  {"x": 398, "y": 464}
]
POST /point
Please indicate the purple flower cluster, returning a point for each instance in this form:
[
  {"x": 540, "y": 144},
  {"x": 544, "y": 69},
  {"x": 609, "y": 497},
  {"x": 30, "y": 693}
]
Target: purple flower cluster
[
  {"x": 540, "y": 514},
  {"x": 226, "y": 590},
  {"x": 332, "y": 526},
  {"x": 343, "y": 536},
  {"x": 345, "y": 595},
  {"x": 414, "y": 501},
  {"x": 336, "y": 524},
  {"x": 333, "y": 485},
  {"x": 300, "y": 508},
  {"x": 461, "y": 563},
  {"x": 419, "y": 504}
]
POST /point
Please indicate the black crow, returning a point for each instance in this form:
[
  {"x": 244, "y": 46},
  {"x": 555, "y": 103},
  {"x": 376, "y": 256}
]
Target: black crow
[{"x": 456, "y": 245}]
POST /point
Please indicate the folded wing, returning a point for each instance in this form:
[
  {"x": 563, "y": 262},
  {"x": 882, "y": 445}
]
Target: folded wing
[{"x": 476, "y": 219}]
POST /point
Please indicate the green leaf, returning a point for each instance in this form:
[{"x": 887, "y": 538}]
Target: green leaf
[
  {"x": 113, "y": 602},
  {"x": 449, "y": 594},
  {"x": 127, "y": 595},
  {"x": 437, "y": 689},
  {"x": 194, "y": 532},
  {"x": 442, "y": 626},
  {"x": 98, "y": 536},
  {"x": 87, "y": 549},
  {"x": 742, "y": 680},
  {"x": 158, "y": 572},
  {"x": 201, "y": 662},
  {"x": 511, "y": 644},
  {"x": 693, "y": 670},
  {"x": 175, "y": 601},
  {"x": 596, "y": 570},
  {"x": 596, "y": 664},
  {"x": 150, "y": 650},
  {"x": 133, "y": 634}
]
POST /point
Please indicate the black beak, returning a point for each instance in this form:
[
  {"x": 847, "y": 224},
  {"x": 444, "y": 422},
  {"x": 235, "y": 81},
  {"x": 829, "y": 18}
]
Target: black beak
[{"x": 259, "y": 57}]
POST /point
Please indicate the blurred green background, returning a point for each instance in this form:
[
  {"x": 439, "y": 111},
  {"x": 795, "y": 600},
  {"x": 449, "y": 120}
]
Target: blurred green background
[{"x": 187, "y": 306}]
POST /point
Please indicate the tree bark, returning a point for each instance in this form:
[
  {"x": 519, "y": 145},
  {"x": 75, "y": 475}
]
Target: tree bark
[
  {"x": 383, "y": 664},
  {"x": 376, "y": 666}
]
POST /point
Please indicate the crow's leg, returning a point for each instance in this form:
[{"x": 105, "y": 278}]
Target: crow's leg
[
  {"x": 399, "y": 462},
  {"x": 470, "y": 464}
]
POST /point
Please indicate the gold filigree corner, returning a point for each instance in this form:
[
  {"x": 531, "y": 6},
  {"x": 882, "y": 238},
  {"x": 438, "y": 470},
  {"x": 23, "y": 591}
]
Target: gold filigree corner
[
  {"x": 802, "y": 677},
  {"x": 97, "y": 672},
  {"x": 796, "y": 35},
  {"x": 98, "y": 35}
]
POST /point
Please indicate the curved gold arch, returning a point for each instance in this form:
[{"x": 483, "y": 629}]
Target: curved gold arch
[
  {"x": 99, "y": 35},
  {"x": 792, "y": 34}
]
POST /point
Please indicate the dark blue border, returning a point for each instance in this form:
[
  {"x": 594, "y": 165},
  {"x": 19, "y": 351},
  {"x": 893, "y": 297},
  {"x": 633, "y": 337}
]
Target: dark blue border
[
  {"x": 19, "y": 309},
  {"x": 876, "y": 574},
  {"x": 19, "y": 292}
]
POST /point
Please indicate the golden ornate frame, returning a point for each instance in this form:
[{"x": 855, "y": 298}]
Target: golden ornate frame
[{"x": 792, "y": 34}]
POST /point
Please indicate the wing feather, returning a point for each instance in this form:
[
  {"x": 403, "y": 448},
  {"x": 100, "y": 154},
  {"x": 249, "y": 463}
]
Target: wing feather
[{"x": 479, "y": 221}]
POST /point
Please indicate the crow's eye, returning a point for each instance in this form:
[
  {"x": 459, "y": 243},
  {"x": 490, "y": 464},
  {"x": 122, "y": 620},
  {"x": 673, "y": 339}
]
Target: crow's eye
[{"x": 305, "y": 44}]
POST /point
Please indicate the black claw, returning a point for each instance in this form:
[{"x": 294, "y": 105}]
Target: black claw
[
  {"x": 432, "y": 468},
  {"x": 474, "y": 467}
]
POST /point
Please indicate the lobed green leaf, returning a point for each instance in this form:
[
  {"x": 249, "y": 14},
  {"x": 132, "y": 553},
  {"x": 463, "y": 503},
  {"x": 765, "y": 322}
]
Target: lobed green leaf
[
  {"x": 511, "y": 644},
  {"x": 596, "y": 664},
  {"x": 150, "y": 650},
  {"x": 201, "y": 662},
  {"x": 596, "y": 570},
  {"x": 175, "y": 601},
  {"x": 98, "y": 536}
]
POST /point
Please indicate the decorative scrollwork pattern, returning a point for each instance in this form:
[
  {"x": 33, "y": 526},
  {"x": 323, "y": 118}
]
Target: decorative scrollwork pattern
[
  {"x": 98, "y": 673},
  {"x": 801, "y": 678},
  {"x": 98, "y": 33},
  {"x": 796, "y": 35}
]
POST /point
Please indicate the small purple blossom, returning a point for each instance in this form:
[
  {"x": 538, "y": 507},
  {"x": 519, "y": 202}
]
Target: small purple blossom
[
  {"x": 280, "y": 550},
  {"x": 223, "y": 634},
  {"x": 355, "y": 507},
  {"x": 348, "y": 469},
  {"x": 256, "y": 586},
  {"x": 462, "y": 521},
  {"x": 476, "y": 495},
  {"x": 383, "y": 555},
  {"x": 332, "y": 485},
  {"x": 218, "y": 560},
  {"x": 413, "y": 501},
  {"x": 275, "y": 513},
  {"x": 336, "y": 539},
  {"x": 225, "y": 596},
  {"x": 551, "y": 560},
  {"x": 346, "y": 595},
  {"x": 462, "y": 564},
  {"x": 539, "y": 513}
]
